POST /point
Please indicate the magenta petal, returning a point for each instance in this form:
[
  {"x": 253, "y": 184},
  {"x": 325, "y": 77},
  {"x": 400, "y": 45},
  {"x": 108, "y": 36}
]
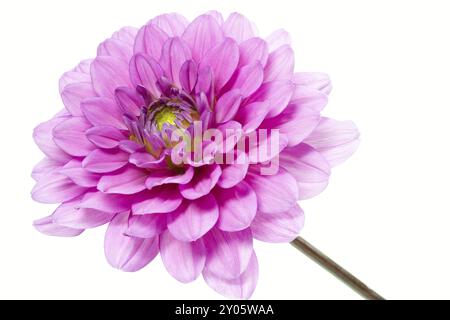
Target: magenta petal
[
  {"x": 143, "y": 159},
  {"x": 173, "y": 24},
  {"x": 237, "y": 207},
  {"x": 234, "y": 173},
  {"x": 150, "y": 40},
  {"x": 223, "y": 60},
  {"x": 308, "y": 167},
  {"x": 252, "y": 115},
  {"x": 241, "y": 287},
  {"x": 105, "y": 137},
  {"x": 162, "y": 199},
  {"x": 74, "y": 93},
  {"x": 175, "y": 53},
  {"x": 128, "y": 180},
  {"x": 129, "y": 101},
  {"x": 239, "y": 28},
  {"x": 109, "y": 73},
  {"x": 70, "y": 135},
  {"x": 278, "y": 227},
  {"x": 275, "y": 193},
  {"x": 128, "y": 253},
  {"x": 183, "y": 260},
  {"x": 160, "y": 177},
  {"x": 254, "y": 49},
  {"x": 309, "y": 97},
  {"x": 55, "y": 188},
  {"x": 80, "y": 176},
  {"x": 146, "y": 71},
  {"x": 131, "y": 147},
  {"x": 278, "y": 93},
  {"x": 193, "y": 218},
  {"x": 44, "y": 167},
  {"x": 280, "y": 65},
  {"x": 49, "y": 228},
  {"x": 227, "y": 105},
  {"x": 335, "y": 140},
  {"x": 277, "y": 39},
  {"x": 204, "y": 180},
  {"x": 316, "y": 80},
  {"x": 201, "y": 35},
  {"x": 103, "y": 112},
  {"x": 111, "y": 203},
  {"x": 101, "y": 161},
  {"x": 68, "y": 215},
  {"x": 43, "y": 136},
  {"x": 188, "y": 75},
  {"x": 146, "y": 226},
  {"x": 229, "y": 253},
  {"x": 249, "y": 79}
]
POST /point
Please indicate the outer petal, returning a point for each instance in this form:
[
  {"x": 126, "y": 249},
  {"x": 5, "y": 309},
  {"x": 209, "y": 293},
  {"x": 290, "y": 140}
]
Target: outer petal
[
  {"x": 241, "y": 287},
  {"x": 150, "y": 40},
  {"x": 106, "y": 137},
  {"x": 162, "y": 199},
  {"x": 239, "y": 28},
  {"x": 254, "y": 49},
  {"x": 280, "y": 65},
  {"x": 103, "y": 112},
  {"x": 111, "y": 203},
  {"x": 173, "y": 24},
  {"x": 128, "y": 253},
  {"x": 277, "y": 39},
  {"x": 275, "y": 193},
  {"x": 278, "y": 227},
  {"x": 237, "y": 207},
  {"x": 229, "y": 253},
  {"x": 175, "y": 53},
  {"x": 203, "y": 34},
  {"x": 74, "y": 93},
  {"x": 49, "y": 228},
  {"x": 55, "y": 188},
  {"x": 68, "y": 215},
  {"x": 115, "y": 48},
  {"x": 109, "y": 73},
  {"x": 101, "y": 161},
  {"x": 126, "y": 35},
  {"x": 309, "y": 97},
  {"x": 193, "y": 218},
  {"x": 234, "y": 173},
  {"x": 79, "y": 74},
  {"x": 128, "y": 180},
  {"x": 146, "y": 226},
  {"x": 316, "y": 80},
  {"x": 70, "y": 135},
  {"x": 204, "y": 180},
  {"x": 335, "y": 140},
  {"x": 183, "y": 260},
  {"x": 75, "y": 172},
  {"x": 278, "y": 93},
  {"x": 44, "y": 167},
  {"x": 43, "y": 136}
]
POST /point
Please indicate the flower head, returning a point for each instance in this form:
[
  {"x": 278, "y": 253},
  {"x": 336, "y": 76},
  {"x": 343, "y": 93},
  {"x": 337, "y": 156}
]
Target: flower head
[{"x": 190, "y": 139}]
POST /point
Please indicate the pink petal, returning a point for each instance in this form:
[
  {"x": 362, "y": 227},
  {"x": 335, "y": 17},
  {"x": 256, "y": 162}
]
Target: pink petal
[
  {"x": 183, "y": 260},
  {"x": 223, "y": 60},
  {"x": 335, "y": 140},
  {"x": 277, "y": 39},
  {"x": 175, "y": 53},
  {"x": 204, "y": 180},
  {"x": 316, "y": 80},
  {"x": 173, "y": 24},
  {"x": 278, "y": 227},
  {"x": 278, "y": 93},
  {"x": 128, "y": 253},
  {"x": 162, "y": 199},
  {"x": 160, "y": 177},
  {"x": 239, "y": 28},
  {"x": 129, "y": 101},
  {"x": 101, "y": 161},
  {"x": 252, "y": 115},
  {"x": 249, "y": 78},
  {"x": 105, "y": 137},
  {"x": 234, "y": 173},
  {"x": 241, "y": 287},
  {"x": 43, "y": 136},
  {"x": 227, "y": 105},
  {"x": 131, "y": 147},
  {"x": 229, "y": 253},
  {"x": 280, "y": 65},
  {"x": 193, "y": 218},
  {"x": 150, "y": 40},
  {"x": 308, "y": 167},
  {"x": 103, "y": 112},
  {"x": 44, "y": 167},
  {"x": 146, "y": 226},
  {"x": 143, "y": 159},
  {"x": 254, "y": 49},
  {"x": 309, "y": 97},
  {"x": 188, "y": 75},
  {"x": 80, "y": 74},
  {"x": 275, "y": 193},
  {"x": 201, "y": 35},
  {"x": 55, "y": 188},
  {"x": 128, "y": 180},
  {"x": 68, "y": 215},
  {"x": 216, "y": 15},
  {"x": 49, "y": 228},
  {"x": 111, "y": 203},
  {"x": 80, "y": 176},
  {"x": 145, "y": 71},
  {"x": 237, "y": 207},
  {"x": 115, "y": 48},
  {"x": 126, "y": 35},
  {"x": 267, "y": 146},
  {"x": 74, "y": 93},
  {"x": 109, "y": 73},
  {"x": 70, "y": 135}
]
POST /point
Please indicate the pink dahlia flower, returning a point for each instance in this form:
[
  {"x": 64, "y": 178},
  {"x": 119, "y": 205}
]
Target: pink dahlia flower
[{"x": 111, "y": 157}]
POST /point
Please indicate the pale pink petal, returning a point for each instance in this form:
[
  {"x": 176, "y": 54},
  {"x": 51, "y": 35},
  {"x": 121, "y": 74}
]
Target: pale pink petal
[
  {"x": 109, "y": 73},
  {"x": 145, "y": 71},
  {"x": 79, "y": 74},
  {"x": 43, "y": 136},
  {"x": 175, "y": 53},
  {"x": 241, "y": 287},
  {"x": 49, "y": 228},
  {"x": 128, "y": 180},
  {"x": 80, "y": 176},
  {"x": 216, "y": 15},
  {"x": 254, "y": 49},
  {"x": 335, "y": 140},
  {"x": 105, "y": 137},
  {"x": 146, "y": 226},
  {"x": 275, "y": 193},
  {"x": 251, "y": 115},
  {"x": 101, "y": 161},
  {"x": 228, "y": 253},
  {"x": 126, "y": 35},
  {"x": 103, "y": 112},
  {"x": 233, "y": 173},
  {"x": 277, "y": 39},
  {"x": 227, "y": 105},
  {"x": 111, "y": 203},
  {"x": 115, "y": 48},
  {"x": 128, "y": 253},
  {"x": 74, "y": 93},
  {"x": 55, "y": 188},
  {"x": 237, "y": 207},
  {"x": 161, "y": 199},
  {"x": 183, "y": 260},
  {"x": 150, "y": 40},
  {"x": 249, "y": 78},
  {"x": 70, "y": 136},
  {"x": 239, "y": 27},
  {"x": 316, "y": 80},
  {"x": 278, "y": 93},
  {"x": 278, "y": 227},
  {"x": 68, "y": 215},
  {"x": 204, "y": 180},
  {"x": 280, "y": 65},
  {"x": 193, "y": 218},
  {"x": 173, "y": 24},
  {"x": 309, "y": 97},
  {"x": 44, "y": 167}
]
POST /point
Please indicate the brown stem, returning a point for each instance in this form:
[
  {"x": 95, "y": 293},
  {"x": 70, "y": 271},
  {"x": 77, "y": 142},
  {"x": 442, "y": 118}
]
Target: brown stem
[{"x": 335, "y": 269}]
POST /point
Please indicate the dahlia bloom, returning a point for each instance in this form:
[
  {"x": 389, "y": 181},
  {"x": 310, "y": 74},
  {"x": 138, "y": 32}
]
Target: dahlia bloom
[{"x": 110, "y": 156}]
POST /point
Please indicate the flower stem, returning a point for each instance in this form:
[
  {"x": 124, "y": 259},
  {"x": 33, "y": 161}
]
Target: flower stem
[{"x": 320, "y": 258}]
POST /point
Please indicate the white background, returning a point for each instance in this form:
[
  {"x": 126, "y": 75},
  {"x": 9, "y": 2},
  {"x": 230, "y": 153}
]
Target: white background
[{"x": 386, "y": 213}]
